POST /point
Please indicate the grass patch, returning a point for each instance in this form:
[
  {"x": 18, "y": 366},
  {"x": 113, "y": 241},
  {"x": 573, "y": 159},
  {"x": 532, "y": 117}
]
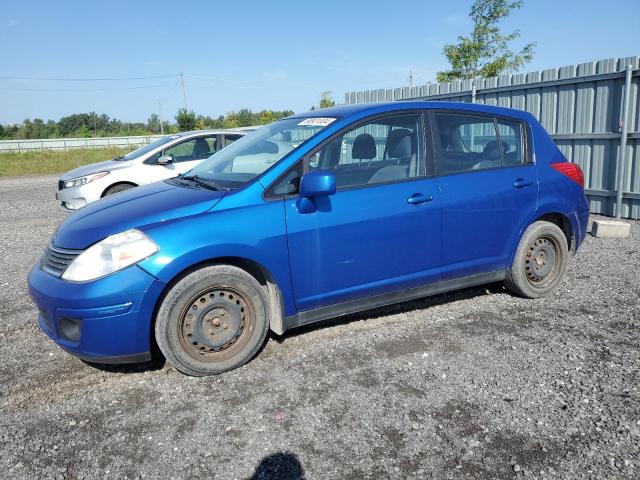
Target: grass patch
[{"x": 44, "y": 162}]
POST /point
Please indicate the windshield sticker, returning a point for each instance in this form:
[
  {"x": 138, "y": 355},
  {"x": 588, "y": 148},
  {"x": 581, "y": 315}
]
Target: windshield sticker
[{"x": 317, "y": 122}]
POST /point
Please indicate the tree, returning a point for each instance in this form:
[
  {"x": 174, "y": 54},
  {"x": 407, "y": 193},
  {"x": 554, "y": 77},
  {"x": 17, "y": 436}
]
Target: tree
[
  {"x": 245, "y": 117},
  {"x": 186, "y": 120},
  {"x": 486, "y": 52},
  {"x": 153, "y": 123},
  {"x": 326, "y": 100},
  {"x": 266, "y": 117},
  {"x": 230, "y": 120}
]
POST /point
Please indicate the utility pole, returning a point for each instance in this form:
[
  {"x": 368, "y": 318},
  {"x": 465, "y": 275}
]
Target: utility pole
[
  {"x": 160, "y": 118},
  {"x": 184, "y": 93},
  {"x": 411, "y": 78}
]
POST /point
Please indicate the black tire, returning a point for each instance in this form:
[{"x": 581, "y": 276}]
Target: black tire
[
  {"x": 213, "y": 320},
  {"x": 119, "y": 187},
  {"x": 540, "y": 261}
]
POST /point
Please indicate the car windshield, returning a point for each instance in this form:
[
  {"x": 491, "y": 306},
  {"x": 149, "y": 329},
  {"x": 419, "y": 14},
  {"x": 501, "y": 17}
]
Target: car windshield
[
  {"x": 147, "y": 148},
  {"x": 248, "y": 157}
]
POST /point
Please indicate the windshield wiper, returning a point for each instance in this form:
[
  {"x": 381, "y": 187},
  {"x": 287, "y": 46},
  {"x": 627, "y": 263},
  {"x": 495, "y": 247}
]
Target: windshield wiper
[
  {"x": 119, "y": 158},
  {"x": 202, "y": 182}
]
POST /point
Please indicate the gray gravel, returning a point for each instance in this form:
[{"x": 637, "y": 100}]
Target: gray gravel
[{"x": 475, "y": 384}]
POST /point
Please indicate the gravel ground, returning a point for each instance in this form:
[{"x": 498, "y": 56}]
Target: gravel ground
[{"x": 474, "y": 384}]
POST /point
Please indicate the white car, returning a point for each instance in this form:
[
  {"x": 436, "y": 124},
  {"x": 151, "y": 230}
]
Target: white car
[{"x": 164, "y": 158}]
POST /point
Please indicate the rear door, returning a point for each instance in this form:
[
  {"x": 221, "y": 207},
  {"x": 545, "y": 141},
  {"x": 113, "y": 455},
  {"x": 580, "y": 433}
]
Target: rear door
[
  {"x": 489, "y": 189},
  {"x": 380, "y": 232}
]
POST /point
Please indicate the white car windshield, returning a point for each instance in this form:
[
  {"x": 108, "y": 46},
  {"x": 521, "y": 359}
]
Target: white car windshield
[
  {"x": 248, "y": 157},
  {"x": 147, "y": 148}
]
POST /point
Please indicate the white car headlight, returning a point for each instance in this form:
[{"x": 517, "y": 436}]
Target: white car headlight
[
  {"x": 76, "y": 182},
  {"x": 110, "y": 255}
]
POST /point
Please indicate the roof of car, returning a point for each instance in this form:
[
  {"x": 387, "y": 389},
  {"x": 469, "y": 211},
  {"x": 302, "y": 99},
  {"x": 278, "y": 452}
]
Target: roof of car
[
  {"x": 215, "y": 130},
  {"x": 344, "y": 111}
]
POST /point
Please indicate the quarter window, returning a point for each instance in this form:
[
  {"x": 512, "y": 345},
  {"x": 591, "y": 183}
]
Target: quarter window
[
  {"x": 474, "y": 142},
  {"x": 383, "y": 150},
  {"x": 511, "y": 140}
]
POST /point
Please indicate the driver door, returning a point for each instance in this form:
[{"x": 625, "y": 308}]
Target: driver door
[{"x": 380, "y": 231}]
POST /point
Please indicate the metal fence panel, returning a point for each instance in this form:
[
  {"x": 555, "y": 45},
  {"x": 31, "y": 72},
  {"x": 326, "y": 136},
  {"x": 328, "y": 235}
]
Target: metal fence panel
[
  {"x": 75, "y": 143},
  {"x": 579, "y": 105}
]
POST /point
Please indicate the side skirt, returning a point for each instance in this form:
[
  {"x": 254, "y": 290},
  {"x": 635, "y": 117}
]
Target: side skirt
[{"x": 360, "y": 305}]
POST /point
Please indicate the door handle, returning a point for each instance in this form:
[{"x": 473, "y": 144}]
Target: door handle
[
  {"x": 417, "y": 198},
  {"x": 521, "y": 183}
]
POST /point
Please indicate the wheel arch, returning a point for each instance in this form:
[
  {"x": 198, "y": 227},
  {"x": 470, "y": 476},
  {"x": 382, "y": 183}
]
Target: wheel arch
[
  {"x": 104, "y": 192},
  {"x": 553, "y": 214},
  {"x": 564, "y": 223},
  {"x": 253, "y": 268}
]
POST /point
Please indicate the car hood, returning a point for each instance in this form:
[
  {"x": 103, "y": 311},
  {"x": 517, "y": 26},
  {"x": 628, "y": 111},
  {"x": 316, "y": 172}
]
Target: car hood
[
  {"x": 133, "y": 208},
  {"x": 107, "y": 165}
]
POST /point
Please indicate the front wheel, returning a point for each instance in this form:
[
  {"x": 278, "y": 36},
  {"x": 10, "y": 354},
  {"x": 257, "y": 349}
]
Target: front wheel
[
  {"x": 117, "y": 188},
  {"x": 213, "y": 320},
  {"x": 540, "y": 261}
]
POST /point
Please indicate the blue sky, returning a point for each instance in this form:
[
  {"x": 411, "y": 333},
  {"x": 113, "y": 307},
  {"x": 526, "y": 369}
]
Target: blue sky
[{"x": 259, "y": 54}]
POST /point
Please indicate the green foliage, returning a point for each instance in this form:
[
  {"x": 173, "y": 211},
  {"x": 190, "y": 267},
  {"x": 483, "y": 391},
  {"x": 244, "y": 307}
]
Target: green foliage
[
  {"x": 94, "y": 125},
  {"x": 231, "y": 120},
  {"x": 326, "y": 100},
  {"x": 153, "y": 123},
  {"x": 486, "y": 52},
  {"x": 186, "y": 120},
  {"x": 41, "y": 162}
]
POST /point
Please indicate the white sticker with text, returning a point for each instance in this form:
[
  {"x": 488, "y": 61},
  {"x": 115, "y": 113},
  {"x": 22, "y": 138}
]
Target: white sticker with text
[{"x": 317, "y": 122}]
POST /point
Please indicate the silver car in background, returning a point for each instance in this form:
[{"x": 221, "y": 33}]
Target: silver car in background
[{"x": 164, "y": 158}]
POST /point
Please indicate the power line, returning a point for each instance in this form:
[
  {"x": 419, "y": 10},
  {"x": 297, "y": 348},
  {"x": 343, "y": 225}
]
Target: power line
[
  {"x": 94, "y": 79},
  {"x": 85, "y": 89}
]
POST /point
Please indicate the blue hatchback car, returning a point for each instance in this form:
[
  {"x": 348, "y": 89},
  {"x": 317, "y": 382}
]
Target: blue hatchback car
[{"x": 314, "y": 216}]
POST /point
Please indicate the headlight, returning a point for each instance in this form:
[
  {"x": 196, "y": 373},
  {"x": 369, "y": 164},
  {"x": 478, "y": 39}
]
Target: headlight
[
  {"x": 110, "y": 255},
  {"x": 76, "y": 182}
]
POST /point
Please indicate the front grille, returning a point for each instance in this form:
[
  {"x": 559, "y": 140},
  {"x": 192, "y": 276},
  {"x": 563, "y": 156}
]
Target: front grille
[
  {"x": 56, "y": 260},
  {"x": 60, "y": 184}
]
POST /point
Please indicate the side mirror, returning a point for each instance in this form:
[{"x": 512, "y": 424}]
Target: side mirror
[
  {"x": 315, "y": 187},
  {"x": 319, "y": 183},
  {"x": 165, "y": 159}
]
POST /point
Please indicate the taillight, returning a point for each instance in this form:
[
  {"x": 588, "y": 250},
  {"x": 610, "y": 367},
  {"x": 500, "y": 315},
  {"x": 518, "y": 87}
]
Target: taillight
[{"x": 571, "y": 170}]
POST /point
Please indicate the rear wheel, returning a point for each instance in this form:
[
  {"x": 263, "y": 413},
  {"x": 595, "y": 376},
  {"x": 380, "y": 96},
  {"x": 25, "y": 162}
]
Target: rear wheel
[
  {"x": 120, "y": 187},
  {"x": 213, "y": 320},
  {"x": 540, "y": 261}
]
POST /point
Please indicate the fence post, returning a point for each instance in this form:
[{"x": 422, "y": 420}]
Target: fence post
[
  {"x": 623, "y": 140},
  {"x": 473, "y": 90}
]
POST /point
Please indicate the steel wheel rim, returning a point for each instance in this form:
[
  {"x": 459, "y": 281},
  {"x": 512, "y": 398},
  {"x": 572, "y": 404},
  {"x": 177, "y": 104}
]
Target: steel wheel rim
[
  {"x": 216, "y": 323},
  {"x": 542, "y": 261}
]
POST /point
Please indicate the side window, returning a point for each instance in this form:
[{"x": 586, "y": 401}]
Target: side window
[
  {"x": 212, "y": 142},
  {"x": 181, "y": 152},
  {"x": 511, "y": 141},
  {"x": 384, "y": 150},
  {"x": 467, "y": 142},
  {"x": 288, "y": 184},
  {"x": 153, "y": 159},
  {"x": 476, "y": 142},
  {"x": 194, "y": 149},
  {"x": 229, "y": 139}
]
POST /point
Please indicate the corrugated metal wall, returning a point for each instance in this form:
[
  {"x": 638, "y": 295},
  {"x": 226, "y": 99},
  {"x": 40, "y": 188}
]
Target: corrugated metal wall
[{"x": 579, "y": 105}]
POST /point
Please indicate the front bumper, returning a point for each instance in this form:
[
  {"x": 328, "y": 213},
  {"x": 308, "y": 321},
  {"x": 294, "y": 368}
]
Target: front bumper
[
  {"x": 103, "y": 321},
  {"x": 74, "y": 198}
]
